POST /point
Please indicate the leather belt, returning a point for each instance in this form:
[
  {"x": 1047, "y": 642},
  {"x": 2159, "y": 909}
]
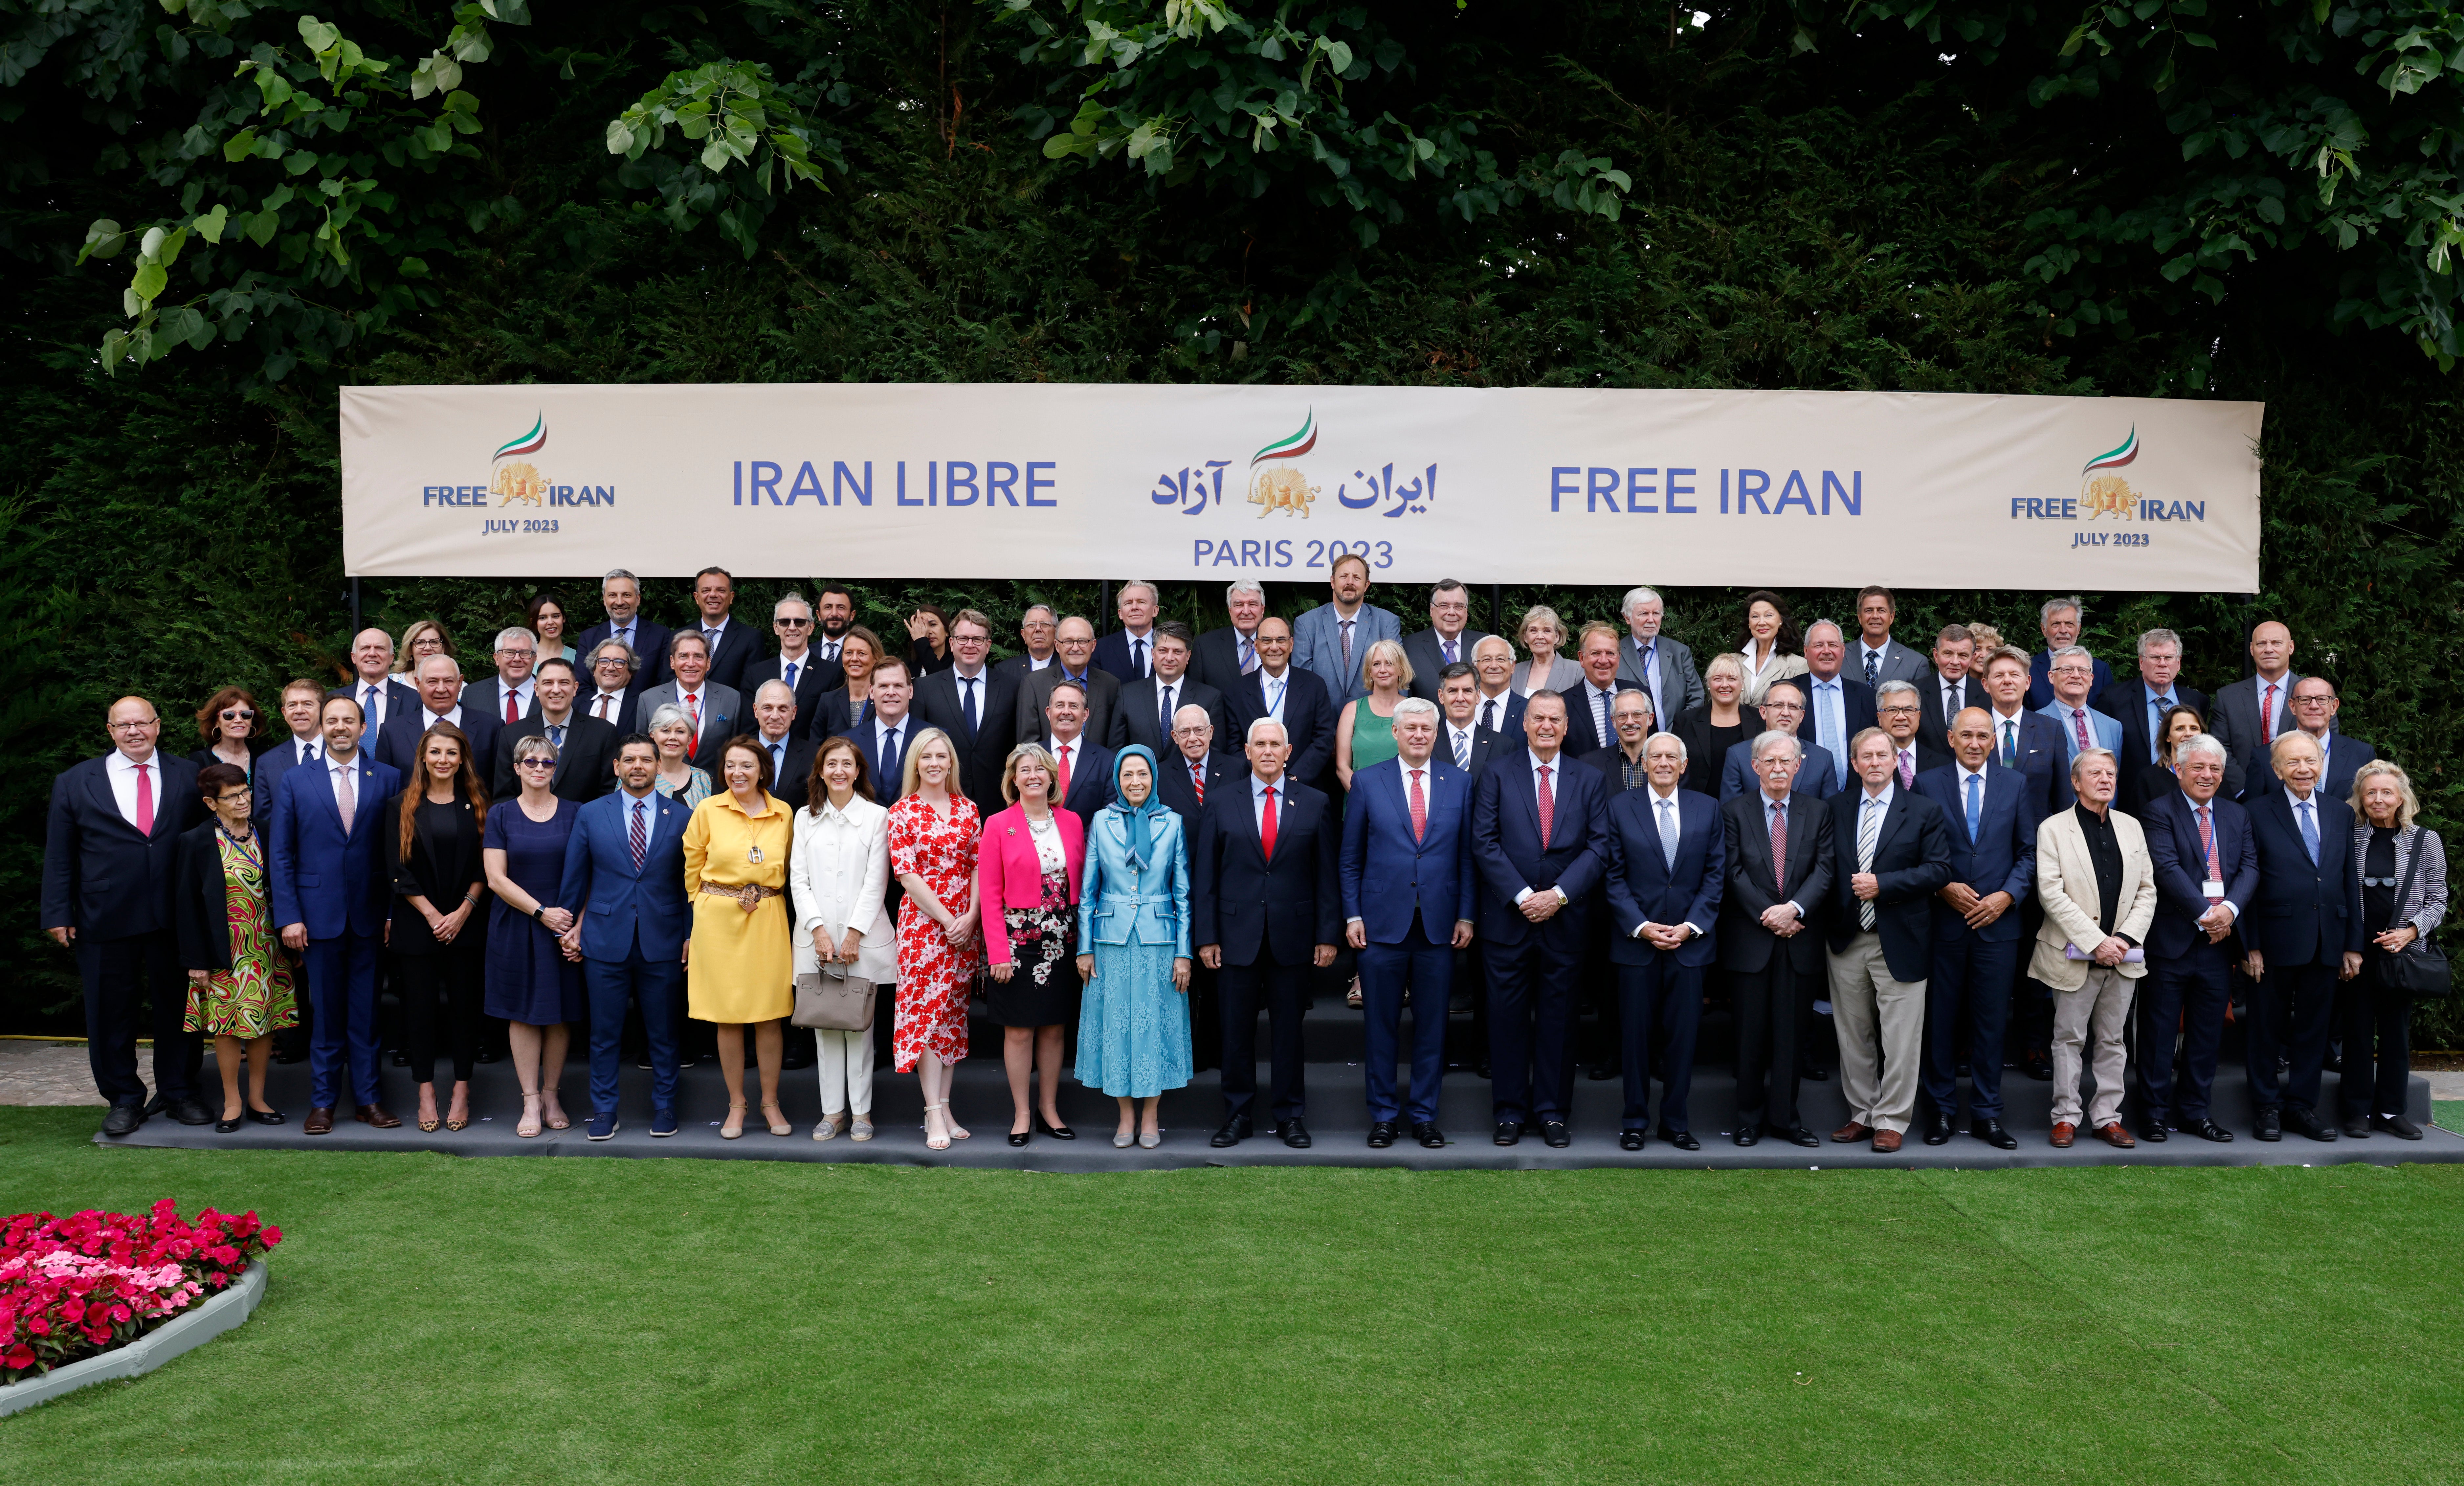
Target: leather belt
[{"x": 750, "y": 895}]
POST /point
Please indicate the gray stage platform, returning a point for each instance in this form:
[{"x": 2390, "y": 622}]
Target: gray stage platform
[{"x": 1338, "y": 1119}]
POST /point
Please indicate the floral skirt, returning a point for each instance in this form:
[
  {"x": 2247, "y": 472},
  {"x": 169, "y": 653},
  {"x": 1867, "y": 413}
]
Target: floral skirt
[{"x": 1043, "y": 987}]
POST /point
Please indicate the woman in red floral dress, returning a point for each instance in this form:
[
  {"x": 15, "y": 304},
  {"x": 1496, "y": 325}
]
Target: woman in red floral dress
[{"x": 933, "y": 832}]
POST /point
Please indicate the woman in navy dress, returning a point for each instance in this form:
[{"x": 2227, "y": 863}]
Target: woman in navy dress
[{"x": 532, "y": 982}]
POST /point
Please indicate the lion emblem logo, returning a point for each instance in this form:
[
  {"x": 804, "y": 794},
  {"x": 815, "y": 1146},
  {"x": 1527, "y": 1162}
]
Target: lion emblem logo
[
  {"x": 519, "y": 480},
  {"x": 1280, "y": 486}
]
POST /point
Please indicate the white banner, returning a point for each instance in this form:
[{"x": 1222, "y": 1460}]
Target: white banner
[{"x": 1512, "y": 484}]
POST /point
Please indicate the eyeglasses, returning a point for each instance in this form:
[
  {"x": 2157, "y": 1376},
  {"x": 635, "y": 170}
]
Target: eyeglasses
[
  {"x": 133, "y": 727},
  {"x": 234, "y": 792},
  {"x": 793, "y": 624},
  {"x": 2073, "y": 670},
  {"x": 518, "y": 655},
  {"x": 1903, "y": 711},
  {"x": 237, "y": 715},
  {"x": 534, "y": 761}
]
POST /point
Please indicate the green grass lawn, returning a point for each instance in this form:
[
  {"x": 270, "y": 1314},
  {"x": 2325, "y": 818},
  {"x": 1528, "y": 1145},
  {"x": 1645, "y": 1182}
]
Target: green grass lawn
[{"x": 542, "y": 1320}]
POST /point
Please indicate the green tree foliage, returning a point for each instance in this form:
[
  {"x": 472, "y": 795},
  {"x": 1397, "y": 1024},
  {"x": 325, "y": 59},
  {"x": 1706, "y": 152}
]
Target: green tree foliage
[{"x": 1853, "y": 216}]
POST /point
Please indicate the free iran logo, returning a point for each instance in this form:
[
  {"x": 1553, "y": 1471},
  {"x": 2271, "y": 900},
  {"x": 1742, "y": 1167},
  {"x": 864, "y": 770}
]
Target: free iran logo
[{"x": 514, "y": 477}]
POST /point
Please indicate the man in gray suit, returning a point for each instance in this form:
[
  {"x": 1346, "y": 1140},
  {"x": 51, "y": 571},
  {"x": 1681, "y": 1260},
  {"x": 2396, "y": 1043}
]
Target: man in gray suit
[
  {"x": 1652, "y": 662},
  {"x": 718, "y": 710},
  {"x": 2251, "y": 713},
  {"x": 1073, "y": 659},
  {"x": 1877, "y": 657},
  {"x": 1447, "y": 640},
  {"x": 1333, "y": 638}
]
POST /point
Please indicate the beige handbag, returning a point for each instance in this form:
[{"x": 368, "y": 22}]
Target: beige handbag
[{"x": 828, "y": 999}]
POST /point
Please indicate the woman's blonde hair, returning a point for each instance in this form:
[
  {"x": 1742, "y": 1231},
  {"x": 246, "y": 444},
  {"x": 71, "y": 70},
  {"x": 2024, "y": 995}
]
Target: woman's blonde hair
[
  {"x": 1541, "y": 613},
  {"x": 1393, "y": 650},
  {"x": 2408, "y": 803},
  {"x": 1023, "y": 753},
  {"x": 907, "y": 776},
  {"x": 1728, "y": 658}
]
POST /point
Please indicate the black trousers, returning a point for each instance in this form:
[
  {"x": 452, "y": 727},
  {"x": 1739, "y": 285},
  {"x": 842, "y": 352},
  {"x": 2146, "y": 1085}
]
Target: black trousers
[
  {"x": 2291, "y": 1013},
  {"x": 1283, "y": 992},
  {"x": 1468, "y": 1042},
  {"x": 1531, "y": 1027},
  {"x": 1663, "y": 1007},
  {"x": 1206, "y": 1019},
  {"x": 2375, "y": 1025},
  {"x": 2184, "y": 998},
  {"x": 1769, "y": 1004},
  {"x": 440, "y": 1004},
  {"x": 120, "y": 974}
]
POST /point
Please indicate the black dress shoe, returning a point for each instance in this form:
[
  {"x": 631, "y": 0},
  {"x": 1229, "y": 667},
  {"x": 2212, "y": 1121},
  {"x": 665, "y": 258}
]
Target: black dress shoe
[
  {"x": 1427, "y": 1133},
  {"x": 1798, "y": 1135},
  {"x": 2036, "y": 1066},
  {"x": 1293, "y": 1134},
  {"x": 1234, "y": 1130},
  {"x": 2397, "y": 1125},
  {"x": 1748, "y": 1134},
  {"x": 2357, "y": 1128},
  {"x": 123, "y": 1119},
  {"x": 2207, "y": 1130},
  {"x": 1991, "y": 1133},
  {"x": 1382, "y": 1134},
  {"x": 2303, "y": 1122},
  {"x": 398, "y": 1058},
  {"x": 1064, "y": 1133},
  {"x": 1815, "y": 1076},
  {"x": 154, "y": 1106},
  {"x": 1555, "y": 1134},
  {"x": 1937, "y": 1131},
  {"x": 1628, "y": 1139},
  {"x": 1019, "y": 1138},
  {"x": 1682, "y": 1140},
  {"x": 2153, "y": 1128},
  {"x": 1509, "y": 1131},
  {"x": 186, "y": 1110},
  {"x": 2270, "y": 1124},
  {"x": 1603, "y": 1072},
  {"x": 230, "y": 1127},
  {"x": 265, "y": 1117}
]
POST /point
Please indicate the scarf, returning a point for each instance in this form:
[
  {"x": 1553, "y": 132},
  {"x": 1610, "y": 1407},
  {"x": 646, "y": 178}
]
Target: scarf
[{"x": 1138, "y": 820}]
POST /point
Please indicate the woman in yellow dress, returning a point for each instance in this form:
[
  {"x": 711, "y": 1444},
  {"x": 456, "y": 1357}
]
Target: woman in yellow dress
[{"x": 740, "y": 966}]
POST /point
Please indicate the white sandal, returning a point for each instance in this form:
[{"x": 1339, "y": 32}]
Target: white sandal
[{"x": 933, "y": 1142}]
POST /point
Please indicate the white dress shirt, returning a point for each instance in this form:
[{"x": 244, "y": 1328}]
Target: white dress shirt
[
  {"x": 1491, "y": 711},
  {"x": 1556, "y": 768},
  {"x": 1598, "y": 703},
  {"x": 373, "y": 706},
  {"x": 607, "y": 706},
  {"x": 1950, "y": 696},
  {"x": 1458, "y": 744},
  {"x": 304, "y": 750},
  {"x": 519, "y": 691},
  {"x": 1668, "y": 817},
  {"x": 1273, "y": 688},
  {"x": 123, "y": 782},
  {"x": 452, "y": 715}
]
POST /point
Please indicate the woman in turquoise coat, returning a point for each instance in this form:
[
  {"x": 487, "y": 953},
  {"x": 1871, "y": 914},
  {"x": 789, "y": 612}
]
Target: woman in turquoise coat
[{"x": 1134, "y": 950}]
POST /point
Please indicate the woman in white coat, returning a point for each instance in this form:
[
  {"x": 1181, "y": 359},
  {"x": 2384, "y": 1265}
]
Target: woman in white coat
[{"x": 838, "y": 874}]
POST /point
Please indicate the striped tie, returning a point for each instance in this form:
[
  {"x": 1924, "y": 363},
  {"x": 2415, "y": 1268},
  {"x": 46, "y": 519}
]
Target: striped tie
[
  {"x": 1869, "y": 829},
  {"x": 641, "y": 834}
]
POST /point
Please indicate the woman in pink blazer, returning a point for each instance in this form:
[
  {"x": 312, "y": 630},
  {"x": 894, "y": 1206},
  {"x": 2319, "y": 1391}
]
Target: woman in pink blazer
[{"x": 1026, "y": 884}]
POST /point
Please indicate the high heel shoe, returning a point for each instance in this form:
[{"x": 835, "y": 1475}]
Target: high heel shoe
[
  {"x": 933, "y": 1142},
  {"x": 428, "y": 1126},
  {"x": 777, "y": 1119},
  {"x": 1044, "y": 1126},
  {"x": 734, "y": 1129},
  {"x": 530, "y": 1125},
  {"x": 552, "y": 1109},
  {"x": 463, "y": 1123},
  {"x": 1017, "y": 1138},
  {"x": 957, "y": 1131}
]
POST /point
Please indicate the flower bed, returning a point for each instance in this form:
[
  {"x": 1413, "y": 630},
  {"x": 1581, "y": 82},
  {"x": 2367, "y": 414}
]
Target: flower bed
[{"x": 76, "y": 1287}]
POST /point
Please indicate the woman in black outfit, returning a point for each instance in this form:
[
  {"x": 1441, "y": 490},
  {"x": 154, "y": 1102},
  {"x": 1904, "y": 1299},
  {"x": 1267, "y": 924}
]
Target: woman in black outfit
[
  {"x": 1721, "y": 722},
  {"x": 435, "y": 941},
  {"x": 928, "y": 642},
  {"x": 2392, "y": 848},
  {"x": 2154, "y": 781}
]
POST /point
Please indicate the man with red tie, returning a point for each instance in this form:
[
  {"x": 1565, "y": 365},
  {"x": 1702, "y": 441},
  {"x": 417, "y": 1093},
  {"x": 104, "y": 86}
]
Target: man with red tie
[
  {"x": 1263, "y": 898},
  {"x": 2207, "y": 872},
  {"x": 109, "y": 852},
  {"x": 1408, "y": 896},
  {"x": 1777, "y": 844}
]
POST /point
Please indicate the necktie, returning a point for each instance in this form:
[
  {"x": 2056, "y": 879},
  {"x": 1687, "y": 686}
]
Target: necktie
[
  {"x": 1489, "y": 714},
  {"x": 1463, "y": 749},
  {"x": 555, "y": 734},
  {"x": 369, "y": 709},
  {"x": 692, "y": 704},
  {"x": 513, "y": 705},
  {"x": 1165, "y": 719},
  {"x": 1249, "y": 655},
  {"x": 1348, "y": 676},
  {"x": 1651, "y": 676},
  {"x": 2157, "y": 706},
  {"x": 641, "y": 834},
  {"x": 777, "y": 762},
  {"x": 890, "y": 756},
  {"x": 146, "y": 799},
  {"x": 1137, "y": 658},
  {"x": 1608, "y": 728},
  {"x": 710, "y": 639},
  {"x": 1198, "y": 781},
  {"x": 1668, "y": 832},
  {"x": 1975, "y": 806},
  {"x": 1869, "y": 829},
  {"x": 1275, "y": 699},
  {"x": 2079, "y": 728},
  {"x": 2267, "y": 715},
  {"x": 831, "y": 652},
  {"x": 788, "y": 673},
  {"x": 345, "y": 802},
  {"x": 1420, "y": 810},
  {"x": 1949, "y": 702},
  {"x": 2208, "y": 847},
  {"x": 1908, "y": 769},
  {"x": 308, "y": 753},
  {"x": 1872, "y": 670},
  {"x": 599, "y": 705},
  {"x": 2009, "y": 744},
  {"x": 1548, "y": 803},
  {"x": 1064, "y": 751},
  {"x": 1824, "y": 733},
  {"x": 2310, "y": 831},
  {"x": 1447, "y": 649},
  {"x": 1778, "y": 811},
  {"x": 967, "y": 703},
  {"x": 1267, "y": 826}
]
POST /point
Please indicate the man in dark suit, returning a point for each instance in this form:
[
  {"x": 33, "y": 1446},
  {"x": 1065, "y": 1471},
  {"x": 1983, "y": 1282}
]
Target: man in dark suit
[
  {"x": 797, "y": 663},
  {"x": 1408, "y": 894},
  {"x": 302, "y": 701},
  {"x": 586, "y": 747},
  {"x": 732, "y": 647},
  {"x": 620, "y": 592},
  {"x": 1954, "y": 683},
  {"x": 509, "y": 696},
  {"x": 1145, "y": 707},
  {"x": 886, "y": 736},
  {"x": 1498, "y": 708},
  {"x": 1264, "y": 896},
  {"x": 1188, "y": 775},
  {"x": 1621, "y": 766},
  {"x": 1293, "y": 697},
  {"x": 1837, "y": 707},
  {"x": 332, "y": 876},
  {"x": 2309, "y": 934},
  {"x": 2140, "y": 704},
  {"x": 625, "y": 881},
  {"x": 1225, "y": 655},
  {"x": 440, "y": 700},
  {"x": 1783, "y": 708},
  {"x": 791, "y": 752},
  {"x": 1666, "y": 873},
  {"x": 607, "y": 693},
  {"x": 1893, "y": 856},
  {"x": 1084, "y": 785},
  {"x": 974, "y": 703},
  {"x": 1128, "y": 654},
  {"x": 1590, "y": 704},
  {"x": 1073, "y": 660},
  {"x": 2250, "y": 712},
  {"x": 2207, "y": 874},
  {"x": 2025, "y": 741},
  {"x": 720, "y": 710},
  {"x": 1766, "y": 941},
  {"x": 1036, "y": 626},
  {"x": 1897, "y": 708},
  {"x": 1470, "y": 747},
  {"x": 1447, "y": 641},
  {"x": 2059, "y": 621},
  {"x": 1537, "y": 823},
  {"x": 109, "y": 851},
  {"x": 379, "y": 692},
  {"x": 2315, "y": 705},
  {"x": 1978, "y": 933}
]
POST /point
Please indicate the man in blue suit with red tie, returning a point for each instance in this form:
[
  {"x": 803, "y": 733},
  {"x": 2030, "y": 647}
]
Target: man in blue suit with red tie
[
  {"x": 1408, "y": 894},
  {"x": 333, "y": 892},
  {"x": 2207, "y": 874},
  {"x": 2309, "y": 934},
  {"x": 1667, "y": 869},
  {"x": 1978, "y": 930},
  {"x": 1536, "y": 821},
  {"x": 625, "y": 884}
]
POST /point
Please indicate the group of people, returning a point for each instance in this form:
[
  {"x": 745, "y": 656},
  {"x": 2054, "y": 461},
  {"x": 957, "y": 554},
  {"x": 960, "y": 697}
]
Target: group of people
[{"x": 1155, "y": 835}]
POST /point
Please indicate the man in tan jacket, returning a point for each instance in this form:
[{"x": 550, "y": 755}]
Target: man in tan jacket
[{"x": 2099, "y": 887}]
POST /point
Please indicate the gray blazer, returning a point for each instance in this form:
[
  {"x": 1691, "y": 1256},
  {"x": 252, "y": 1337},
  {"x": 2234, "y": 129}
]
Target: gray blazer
[
  {"x": 1899, "y": 663},
  {"x": 722, "y": 718},
  {"x": 1681, "y": 685},
  {"x": 2425, "y": 907},
  {"x": 1564, "y": 675},
  {"x": 1317, "y": 646}
]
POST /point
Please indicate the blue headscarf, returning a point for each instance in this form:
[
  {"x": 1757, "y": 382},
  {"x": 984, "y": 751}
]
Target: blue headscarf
[{"x": 1138, "y": 820}]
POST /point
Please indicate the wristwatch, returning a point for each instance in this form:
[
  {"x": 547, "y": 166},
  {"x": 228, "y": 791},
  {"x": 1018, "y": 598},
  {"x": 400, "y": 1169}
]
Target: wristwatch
[{"x": 539, "y": 911}]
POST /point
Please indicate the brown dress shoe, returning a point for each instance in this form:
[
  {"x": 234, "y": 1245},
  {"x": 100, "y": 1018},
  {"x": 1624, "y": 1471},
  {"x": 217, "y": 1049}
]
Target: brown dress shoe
[
  {"x": 1887, "y": 1141},
  {"x": 2114, "y": 1135},
  {"x": 1851, "y": 1131},
  {"x": 2062, "y": 1132},
  {"x": 377, "y": 1114},
  {"x": 321, "y": 1121}
]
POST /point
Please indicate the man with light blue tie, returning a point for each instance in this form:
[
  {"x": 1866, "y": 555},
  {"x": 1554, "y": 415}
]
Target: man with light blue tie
[
  {"x": 2072, "y": 675},
  {"x": 1653, "y": 662},
  {"x": 1836, "y": 707},
  {"x": 1666, "y": 871},
  {"x": 1978, "y": 931},
  {"x": 620, "y": 593},
  {"x": 621, "y": 907},
  {"x": 2140, "y": 704},
  {"x": 2308, "y": 936}
]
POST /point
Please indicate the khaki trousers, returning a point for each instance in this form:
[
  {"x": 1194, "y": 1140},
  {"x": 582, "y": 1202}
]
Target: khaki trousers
[
  {"x": 1881, "y": 1035},
  {"x": 2099, "y": 1008}
]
